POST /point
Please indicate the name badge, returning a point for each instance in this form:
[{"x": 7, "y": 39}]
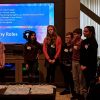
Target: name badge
[
  {"x": 86, "y": 46},
  {"x": 52, "y": 46},
  {"x": 28, "y": 47},
  {"x": 70, "y": 50},
  {"x": 75, "y": 47},
  {"x": 66, "y": 50}
]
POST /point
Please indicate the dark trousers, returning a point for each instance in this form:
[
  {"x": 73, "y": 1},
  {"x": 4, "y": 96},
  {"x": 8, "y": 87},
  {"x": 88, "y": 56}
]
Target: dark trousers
[
  {"x": 2, "y": 75},
  {"x": 68, "y": 79},
  {"x": 33, "y": 72},
  {"x": 90, "y": 75},
  {"x": 50, "y": 77}
]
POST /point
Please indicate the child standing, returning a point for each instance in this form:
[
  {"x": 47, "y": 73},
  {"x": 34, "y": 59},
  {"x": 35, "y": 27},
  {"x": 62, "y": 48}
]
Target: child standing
[
  {"x": 51, "y": 50},
  {"x": 88, "y": 56},
  {"x": 31, "y": 52},
  {"x": 66, "y": 65},
  {"x": 76, "y": 59}
]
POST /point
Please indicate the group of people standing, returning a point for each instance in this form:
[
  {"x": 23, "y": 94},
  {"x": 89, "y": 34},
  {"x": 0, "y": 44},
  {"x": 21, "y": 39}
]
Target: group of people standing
[
  {"x": 81, "y": 56},
  {"x": 51, "y": 48},
  {"x": 70, "y": 63},
  {"x": 77, "y": 57}
]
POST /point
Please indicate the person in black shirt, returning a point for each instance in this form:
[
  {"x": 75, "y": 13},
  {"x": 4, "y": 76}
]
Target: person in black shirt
[
  {"x": 32, "y": 50},
  {"x": 66, "y": 65},
  {"x": 88, "y": 55}
]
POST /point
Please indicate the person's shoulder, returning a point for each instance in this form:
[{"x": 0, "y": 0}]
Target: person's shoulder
[
  {"x": 26, "y": 43},
  {"x": 58, "y": 37},
  {"x": 81, "y": 39},
  {"x": 1, "y": 43},
  {"x": 45, "y": 40},
  {"x": 38, "y": 43},
  {"x": 84, "y": 41}
]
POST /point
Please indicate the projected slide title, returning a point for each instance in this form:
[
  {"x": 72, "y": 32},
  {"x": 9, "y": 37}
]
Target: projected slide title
[{"x": 16, "y": 18}]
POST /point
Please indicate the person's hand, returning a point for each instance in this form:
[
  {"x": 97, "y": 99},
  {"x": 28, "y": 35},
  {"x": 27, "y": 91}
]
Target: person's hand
[
  {"x": 37, "y": 56},
  {"x": 50, "y": 61},
  {"x": 83, "y": 67},
  {"x": 53, "y": 61},
  {"x": 27, "y": 66},
  {"x": 75, "y": 47},
  {"x": 1, "y": 67}
]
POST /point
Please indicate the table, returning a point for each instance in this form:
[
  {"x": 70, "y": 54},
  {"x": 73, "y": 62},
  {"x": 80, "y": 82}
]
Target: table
[{"x": 27, "y": 92}]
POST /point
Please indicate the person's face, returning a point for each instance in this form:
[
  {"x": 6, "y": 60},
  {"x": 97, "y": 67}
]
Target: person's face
[
  {"x": 50, "y": 30},
  {"x": 68, "y": 38},
  {"x": 86, "y": 32},
  {"x": 76, "y": 35},
  {"x": 33, "y": 36}
]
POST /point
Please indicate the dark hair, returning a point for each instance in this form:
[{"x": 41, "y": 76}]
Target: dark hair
[
  {"x": 30, "y": 34},
  {"x": 78, "y": 31},
  {"x": 92, "y": 36},
  {"x": 92, "y": 30},
  {"x": 69, "y": 33},
  {"x": 27, "y": 34}
]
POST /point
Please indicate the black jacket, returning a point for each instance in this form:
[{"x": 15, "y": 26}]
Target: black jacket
[
  {"x": 66, "y": 54},
  {"x": 88, "y": 52},
  {"x": 31, "y": 49}
]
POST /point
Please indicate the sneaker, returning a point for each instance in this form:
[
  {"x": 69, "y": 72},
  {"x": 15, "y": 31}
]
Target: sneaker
[{"x": 65, "y": 92}]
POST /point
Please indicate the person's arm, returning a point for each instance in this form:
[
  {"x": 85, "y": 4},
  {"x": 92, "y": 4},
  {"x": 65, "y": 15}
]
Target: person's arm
[
  {"x": 83, "y": 56},
  {"x": 3, "y": 55},
  {"x": 45, "y": 49},
  {"x": 24, "y": 53},
  {"x": 39, "y": 50},
  {"x": 58, "y": 46},
  {"x": 2, "y": 59}
]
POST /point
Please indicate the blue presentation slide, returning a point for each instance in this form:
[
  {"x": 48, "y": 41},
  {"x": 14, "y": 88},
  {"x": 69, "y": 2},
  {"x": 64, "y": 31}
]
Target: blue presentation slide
[{"x": 16, "y": 18}]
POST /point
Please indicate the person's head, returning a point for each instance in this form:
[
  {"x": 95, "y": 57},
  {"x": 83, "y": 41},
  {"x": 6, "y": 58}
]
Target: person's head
[
  {"x": 68, "y": 37},
  {"x": 51, "y": 34},
  {"x": 89, "y": 31},
  {"x": 77, "y": 33},
  {"x": 51, "y": 30},
  {"x": 29, "y": 35},
  {"x": 32, "y": 36}
]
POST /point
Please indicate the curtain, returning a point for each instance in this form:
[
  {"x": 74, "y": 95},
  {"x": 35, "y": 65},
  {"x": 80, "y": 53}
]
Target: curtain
[{"x": 93, "y": 5}]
